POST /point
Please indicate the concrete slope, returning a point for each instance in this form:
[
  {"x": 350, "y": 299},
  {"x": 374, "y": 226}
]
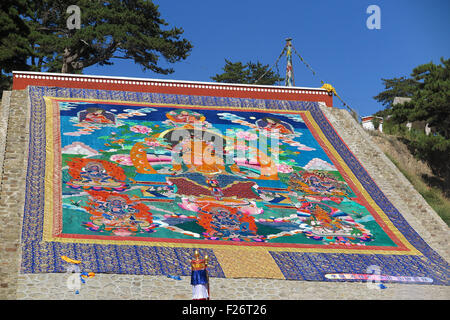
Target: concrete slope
[
  {"x": 14, "y": 147},
  {"x": 391, "y": 181}
]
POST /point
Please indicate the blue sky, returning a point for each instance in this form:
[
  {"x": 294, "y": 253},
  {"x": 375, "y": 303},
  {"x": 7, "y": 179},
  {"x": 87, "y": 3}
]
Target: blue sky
[{"x": 330, "y": 35}]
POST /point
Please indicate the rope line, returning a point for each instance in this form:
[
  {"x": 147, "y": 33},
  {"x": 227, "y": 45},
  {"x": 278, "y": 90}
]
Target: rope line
[
  {"x": 304, "y": 62},
  {"x": 326, "y": 86},
  {"x": 276, "y": 63}
]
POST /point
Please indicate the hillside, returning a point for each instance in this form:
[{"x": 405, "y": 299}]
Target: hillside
[{"x": 416, "y": 171}]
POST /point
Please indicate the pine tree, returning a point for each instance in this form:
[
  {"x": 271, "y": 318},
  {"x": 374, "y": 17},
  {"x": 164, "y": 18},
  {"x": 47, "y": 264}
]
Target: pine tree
[
  {"x": 431, "y": 102},
  {"x": 396, "y": 87},
  {"x": 125, "y": 29},
  {"x": 429, "y": 90},
  {"x": 233, "y": 72},
  {"x": 14, "y": 48},
  {"x": 249, "y": 73},
  {"x": 35, "y": 36}
]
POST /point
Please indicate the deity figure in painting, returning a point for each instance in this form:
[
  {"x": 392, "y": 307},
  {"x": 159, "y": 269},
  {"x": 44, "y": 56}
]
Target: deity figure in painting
[
  {"x": 185, "y": 116},
  {"x": 320, "y": 183},
  {"x": 96, "y": 115},
  {"x": 275, "y": 125},
  {"x": 87, "y": 173},
  {"x": 227, "y": 223},
  {"x": 117, "y": 214}
]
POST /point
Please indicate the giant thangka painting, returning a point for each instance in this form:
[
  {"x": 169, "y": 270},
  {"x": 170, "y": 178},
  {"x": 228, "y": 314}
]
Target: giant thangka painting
[{"x": 134, "y": 182}]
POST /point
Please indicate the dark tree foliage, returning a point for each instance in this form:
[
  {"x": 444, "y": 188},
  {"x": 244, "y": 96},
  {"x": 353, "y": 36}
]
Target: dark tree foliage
[
  {"x": 35, "y": 35},
  {"x": 431, "y": 101},
  {"x": 429, "y": 90},
  {"x": 14, "y": 48},
  {"x": 249, "y": 73},
  {"x": 396, "y": 87}
]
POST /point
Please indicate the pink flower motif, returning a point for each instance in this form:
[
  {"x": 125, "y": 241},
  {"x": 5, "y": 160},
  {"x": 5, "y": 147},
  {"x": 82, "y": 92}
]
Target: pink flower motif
[
  {"x": 141, "y": 129},
  {"x": 251, "y": 209},
  {"x": 123, "y": 159},
  {"x": 284, "y": 168},
  {"x": 246, "y": 135},
  {"x": 152, "y": 143},
  {"x": 240, "y": 160},
  {"x": 122, "y": 232},
  {"x": 188, "y": 205},
  {"x": 240, "y": 146}
]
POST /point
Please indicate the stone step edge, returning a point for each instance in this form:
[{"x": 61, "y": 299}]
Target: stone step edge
[{"x": 4, "y": 116}]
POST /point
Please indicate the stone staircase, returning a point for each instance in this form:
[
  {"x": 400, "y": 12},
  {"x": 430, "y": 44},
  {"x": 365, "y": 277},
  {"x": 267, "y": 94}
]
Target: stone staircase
[
  {"x": 13, "y": 155},
  {"x": 392, "y": 182},
  {"x": 4, "y": 115}
]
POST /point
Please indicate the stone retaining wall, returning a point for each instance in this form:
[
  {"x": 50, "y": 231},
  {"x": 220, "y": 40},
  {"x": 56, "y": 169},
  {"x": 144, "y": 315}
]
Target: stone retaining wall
[{"x": 14, "y": 127}]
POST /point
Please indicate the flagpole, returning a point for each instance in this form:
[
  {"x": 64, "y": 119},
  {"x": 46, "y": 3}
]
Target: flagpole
[{"x": 289, "y": 69}]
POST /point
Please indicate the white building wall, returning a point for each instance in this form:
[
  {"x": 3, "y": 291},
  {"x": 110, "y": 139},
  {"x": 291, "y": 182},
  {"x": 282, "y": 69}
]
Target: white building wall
[{"x": 368, "y": 125}]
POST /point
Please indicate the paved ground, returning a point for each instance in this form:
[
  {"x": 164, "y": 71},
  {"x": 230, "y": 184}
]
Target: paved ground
[
  {"x": 13, "y": 285},
  {"x": 131, "y": 287}
]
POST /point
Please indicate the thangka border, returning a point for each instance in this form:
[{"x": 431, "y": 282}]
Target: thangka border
[
  {"x": 403, "y": 247},
  {"x": 40, "y": 256}
]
